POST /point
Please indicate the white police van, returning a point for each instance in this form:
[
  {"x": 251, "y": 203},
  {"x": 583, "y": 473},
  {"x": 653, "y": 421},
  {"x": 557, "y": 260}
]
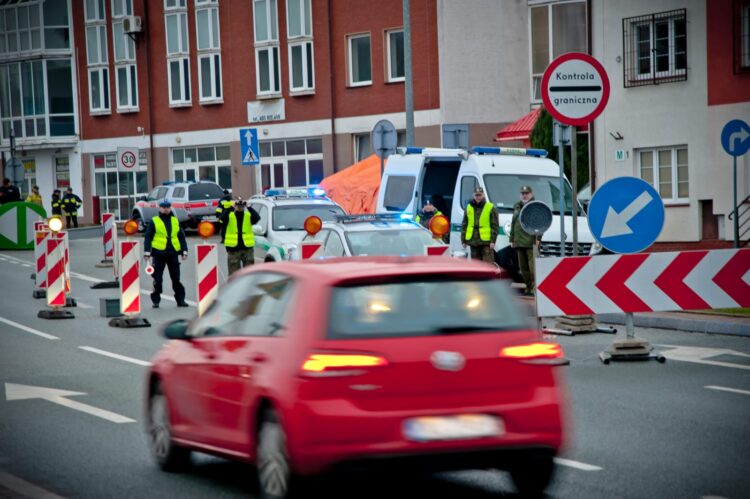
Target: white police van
[{"x": 448, "y": 178}]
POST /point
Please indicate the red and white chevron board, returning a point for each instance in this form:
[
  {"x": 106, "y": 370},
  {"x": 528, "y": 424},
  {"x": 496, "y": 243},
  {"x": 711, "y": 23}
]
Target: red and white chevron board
[
  {"x": 108, "y": 221},
  {"x": 441, "y": 250},
  {"x": 130, "y": 284},
  {"x": 40, "y": 254},
  {"x": 643, "y": 282},
  {"x": 207, "y": 274},
  {"x": 310, "y": 250},
  {"x": 55, "y": 246}
]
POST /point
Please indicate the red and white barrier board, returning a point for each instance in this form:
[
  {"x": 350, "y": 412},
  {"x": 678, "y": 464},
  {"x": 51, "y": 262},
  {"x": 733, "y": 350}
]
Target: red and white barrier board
[
  {"x": 56, "y": 287},
  {"x": 643, "y": 282},
  {"x": 310, "y": 250},
  {"x": 40, "y": 254},
  {"x": 130, "y": 284},
  {"x": 108, "y": 221},
  {"x": 441, "y": 250},
  {"x": 207, "y": 274},
  {"x": 66, "y": 244}
]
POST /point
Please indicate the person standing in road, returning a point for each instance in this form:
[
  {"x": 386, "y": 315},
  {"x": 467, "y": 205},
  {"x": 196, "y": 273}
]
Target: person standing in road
[
  {"x": 426, "y": 215},
  {"x": 523, "y": 242},
  {"x": 225, "y": 205},
  {"x": 34, "y": 196},
  {"x": 56, "y": 203},
  {"x": 9, "y": 193},
  {"x": 71, "y": 203},
  {"x": 237, "y": 234},
  {"x": 165, "y": 240},
  {"x": 480, "y": 227}
]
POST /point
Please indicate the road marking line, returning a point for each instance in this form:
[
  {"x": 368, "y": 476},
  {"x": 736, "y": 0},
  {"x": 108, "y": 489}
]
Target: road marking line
[
  {"x": 577, "y": 464},
  {"x": 25, "y": 265},
  {"x": 116, "y": 356},
  {"x": 725, "y": 389},
  {"x": 25, "y": 488},
  {"x": 28, "y": 329},
  {"x": 83, "y": 305}
]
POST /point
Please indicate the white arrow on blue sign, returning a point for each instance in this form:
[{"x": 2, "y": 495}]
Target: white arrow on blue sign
[
  {"x": 626, "y": 215},
  {"x": 735, "y": 138},
  {"x": 249, "y": 146}
]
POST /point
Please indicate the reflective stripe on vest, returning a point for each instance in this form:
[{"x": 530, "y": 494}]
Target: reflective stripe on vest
[
  {"x": 160, "y": 237},
  {"x": 485, "y": 231},
  {"x": 231, "y": 237}
]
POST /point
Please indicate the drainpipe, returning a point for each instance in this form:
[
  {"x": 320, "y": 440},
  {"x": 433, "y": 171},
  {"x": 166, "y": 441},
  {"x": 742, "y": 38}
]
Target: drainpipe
[
  {"x": 592, "y": 147},
  {"x": 147, "y": 39},
  {"x": 332, "y": 83}
]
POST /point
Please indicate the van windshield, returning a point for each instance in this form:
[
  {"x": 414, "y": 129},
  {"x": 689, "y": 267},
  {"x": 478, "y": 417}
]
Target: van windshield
[
  {"x": 503, "y": 191},
  {"x": 398, "y": 192}
]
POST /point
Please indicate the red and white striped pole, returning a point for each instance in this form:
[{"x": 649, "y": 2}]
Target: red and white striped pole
[
  {"x": 129, "y": 263},
  {"x": 40, "y": 257},
  {"x": 56, "y": 279},
  {"x": 108, "y": 239},
  {"x": 206, "y": 268}
]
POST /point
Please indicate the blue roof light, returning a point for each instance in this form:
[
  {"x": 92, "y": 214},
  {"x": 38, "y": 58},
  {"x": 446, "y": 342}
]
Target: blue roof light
[{"x": 509, "y": 151}]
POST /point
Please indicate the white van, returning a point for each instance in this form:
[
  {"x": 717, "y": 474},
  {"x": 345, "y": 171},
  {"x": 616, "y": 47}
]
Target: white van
[{"x": 448, "y": 177}]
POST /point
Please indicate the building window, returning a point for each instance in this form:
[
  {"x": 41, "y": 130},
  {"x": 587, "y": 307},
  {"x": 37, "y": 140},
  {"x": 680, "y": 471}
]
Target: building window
[
  {"x": 291, "y": 163},
  {"x": 301, "y": 60},
  {"x": 360, "y": 67},
  {"x": 555, "y": 30},
  {"x": 395, "y": 43},
  {"x": 126, "y": 72},
  {"x": 178, "y": 52},
  {"x": 118, "y": 191},
  {"x": 267, "y": 65},
  {"x": 667, "y": 170},
  {"x": 209, "y": 50},
  {"x": 211, "y": 163},
  {"x": 655, "y": 48},
  {"x": 363, "y": 145},
  {"x": 56, "y": 31},
  {"x": 741, "y": 36},
  {"x": 20, "y": 29},
  {"x": 96, "y": 56}
]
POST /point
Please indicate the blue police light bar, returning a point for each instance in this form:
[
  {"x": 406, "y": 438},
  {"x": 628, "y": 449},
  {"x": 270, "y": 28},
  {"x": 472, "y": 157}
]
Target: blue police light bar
[
  {"x": 510, "y": 151},
  {"x": 374, "y": 217},
  {"x": 410, "y": 150},
  {"x": 168, "y": 182}
]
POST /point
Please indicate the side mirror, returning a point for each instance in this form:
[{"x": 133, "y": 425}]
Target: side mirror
[
  {"x": 177, "y": 329},
  {"x": 258, "y": 230}
]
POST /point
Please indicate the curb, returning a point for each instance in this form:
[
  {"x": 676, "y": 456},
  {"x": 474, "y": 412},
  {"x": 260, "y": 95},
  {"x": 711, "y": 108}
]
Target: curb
[{"x": 696, "y": 325}]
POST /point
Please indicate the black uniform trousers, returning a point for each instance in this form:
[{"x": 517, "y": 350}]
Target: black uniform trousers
[
  {"x": 171, "y": 261},
  {"x": 71, "y": 220}
]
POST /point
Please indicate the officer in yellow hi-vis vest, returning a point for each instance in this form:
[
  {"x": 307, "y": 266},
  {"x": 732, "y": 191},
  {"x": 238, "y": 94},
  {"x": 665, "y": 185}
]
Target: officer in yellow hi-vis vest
[
  {"x": 237, "y": 234},
  {"x": 480, "y": 227},
  {"x": 165, "y": 240}
]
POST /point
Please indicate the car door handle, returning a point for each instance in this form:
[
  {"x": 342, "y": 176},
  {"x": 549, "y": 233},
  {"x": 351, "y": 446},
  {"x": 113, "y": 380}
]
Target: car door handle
[{"x": 258, "y": 357}]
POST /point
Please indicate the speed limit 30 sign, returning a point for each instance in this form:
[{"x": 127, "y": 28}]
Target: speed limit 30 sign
[
  {"x": 127, "y": 158},
  {"x": 575, "y": 89}
]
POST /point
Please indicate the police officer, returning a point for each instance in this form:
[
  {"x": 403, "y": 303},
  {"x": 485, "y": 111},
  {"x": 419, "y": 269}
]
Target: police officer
[
  {"x": 71, "y": 203},
  {"x": 523, "y": 242},
  {"x": 480, "y": 227},
  {"x": 426, "y": 214},
  {"x": 225, "y": 205},
  {"x": 237, "y": 233},
  {"x": 166, "y": 240},
  {"x": 56, "y": 203}
]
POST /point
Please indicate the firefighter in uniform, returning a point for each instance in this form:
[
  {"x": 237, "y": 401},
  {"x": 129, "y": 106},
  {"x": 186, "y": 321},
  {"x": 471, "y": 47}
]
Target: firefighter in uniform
[
  {"x": 165, "y": 241},
  {"x": 480, "y": 227},
  {"x": 71, "y": 203},
  {"x": 237, "y": 234},
  {"x": 56, "y": 203},
  {"x": 225, "y": 205}
]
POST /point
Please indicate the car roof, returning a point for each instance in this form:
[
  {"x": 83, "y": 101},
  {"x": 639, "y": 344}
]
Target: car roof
[
  {"x": 293, "y": 201},
  {"x": 374, "y": 225},
  {"x": 330, "y": 271}
]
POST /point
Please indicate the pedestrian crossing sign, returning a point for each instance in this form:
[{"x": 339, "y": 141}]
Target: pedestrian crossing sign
[{"x": 249, "y": 146}]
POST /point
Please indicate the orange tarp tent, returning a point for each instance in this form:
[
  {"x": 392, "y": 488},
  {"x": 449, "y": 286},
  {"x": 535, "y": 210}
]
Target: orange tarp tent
[{"x": 355, "y": 188}]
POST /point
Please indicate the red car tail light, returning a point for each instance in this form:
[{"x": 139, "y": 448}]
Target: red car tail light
[
  {"x": 340, "y": 364},
  {"x": 215, "y": 204},
  {"x": 533, "y": 351},
  {"x": 195, "y": 205}
]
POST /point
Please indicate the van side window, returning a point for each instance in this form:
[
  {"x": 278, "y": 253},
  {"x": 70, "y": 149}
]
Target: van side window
[
  {"x": 398, "y": 192},
  {"x": 468, "y": 184},
  {"x": 179, "y": 192}
]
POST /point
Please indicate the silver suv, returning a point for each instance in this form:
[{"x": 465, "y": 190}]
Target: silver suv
[{"x": 192, "y": 202}]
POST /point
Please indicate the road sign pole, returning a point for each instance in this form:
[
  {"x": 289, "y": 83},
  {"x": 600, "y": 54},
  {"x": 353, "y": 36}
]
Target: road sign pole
[
  {"x": 561, "y": 157},
  {"x": 736, "y": 222},
  {"x": 574, "y": 180},
  {"x": 629, "y": 326}
]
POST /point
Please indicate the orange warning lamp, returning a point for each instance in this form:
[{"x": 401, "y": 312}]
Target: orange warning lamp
[
  {"x": 439, "y": 226},
  {"x": 313, "y": 225},
  {"x": 130, "y": 227},
  {"x": 206, "y": 229},
  {"x": 55, "y": 224}
]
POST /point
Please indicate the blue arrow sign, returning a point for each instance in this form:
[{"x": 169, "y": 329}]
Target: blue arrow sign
[
  {"x": 626, "y": 215},
  {"x": 249, "y": 146},
  {"x": 735, "y": 138}
]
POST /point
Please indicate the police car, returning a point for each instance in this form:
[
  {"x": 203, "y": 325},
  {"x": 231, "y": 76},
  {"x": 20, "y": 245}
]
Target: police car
[
  {"x": 282, "y": 217},
  {"x": 192, "y": 202},
  {"x": 371, "y": 235}
]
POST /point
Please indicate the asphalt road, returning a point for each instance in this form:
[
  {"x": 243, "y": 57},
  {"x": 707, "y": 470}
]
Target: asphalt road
[{"x": 636, "y": 429}]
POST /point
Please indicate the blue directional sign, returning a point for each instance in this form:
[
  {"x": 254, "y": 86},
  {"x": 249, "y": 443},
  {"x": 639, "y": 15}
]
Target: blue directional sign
[
  {"x": 626, "y": 215},
  {"x": 735, "y": 137},
  {"x": 249, "y": 146}
]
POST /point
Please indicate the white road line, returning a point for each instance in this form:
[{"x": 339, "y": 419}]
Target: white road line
[
  {"x": 83, "y": 305},
  {"x": 28, "y": 329},
  {"x": 25, "y": 265},
  {"x": 25, "y": 488},
  {"x": 577, "y": 464},
  {"x": 725, "y": 389},
  {"x": 116, "y": 356}
]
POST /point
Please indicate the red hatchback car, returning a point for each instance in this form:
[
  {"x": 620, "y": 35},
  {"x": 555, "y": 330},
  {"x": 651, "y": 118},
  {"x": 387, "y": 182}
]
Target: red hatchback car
[{"x": 304, "y": 367}]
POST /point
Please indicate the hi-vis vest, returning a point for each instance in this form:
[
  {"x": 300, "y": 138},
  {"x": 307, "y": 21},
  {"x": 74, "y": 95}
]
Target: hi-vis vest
[
  {"x": 231, "y": 238},
  {"x": 160, "y": 238},
  {"x": 485, "y": 231}
]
